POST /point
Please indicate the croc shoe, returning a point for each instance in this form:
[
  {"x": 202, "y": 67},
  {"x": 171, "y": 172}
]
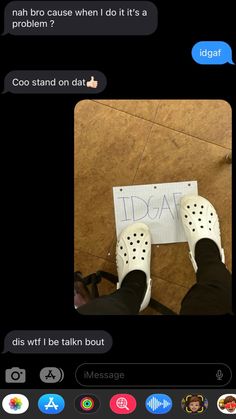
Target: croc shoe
[
  {"x": 200, "y": 221},
  {"x": 133, "y": 252}
]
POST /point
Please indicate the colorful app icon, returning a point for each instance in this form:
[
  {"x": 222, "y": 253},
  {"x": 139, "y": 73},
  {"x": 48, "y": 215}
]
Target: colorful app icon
[
  {"x": 227, "y": 404},
  {"x": 158, "y": 404},
  {"x": 15, "y": 404},
  {"x": 194, "y": 403},
  {"x": 87, "y": 403},
  {"x": 123, "y": 404},
  {"x": 51, "y": 404}
]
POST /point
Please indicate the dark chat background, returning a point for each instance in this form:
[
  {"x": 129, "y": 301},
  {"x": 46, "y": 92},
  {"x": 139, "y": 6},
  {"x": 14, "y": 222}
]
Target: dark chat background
[{"x": 37, "y": 179}]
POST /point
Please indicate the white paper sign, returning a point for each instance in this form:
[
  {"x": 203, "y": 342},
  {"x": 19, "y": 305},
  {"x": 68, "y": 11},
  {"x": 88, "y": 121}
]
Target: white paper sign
[{"x": 156, "y": 205}]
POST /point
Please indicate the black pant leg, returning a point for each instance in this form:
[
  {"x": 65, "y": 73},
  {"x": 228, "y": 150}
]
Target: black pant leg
[
  {"x": 126, "y": 300},
  {"x": 212, "y": 294}
]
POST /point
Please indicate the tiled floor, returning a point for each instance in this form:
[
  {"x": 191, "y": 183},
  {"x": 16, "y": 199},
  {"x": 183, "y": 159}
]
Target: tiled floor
[{"x": 138, "y": 142}]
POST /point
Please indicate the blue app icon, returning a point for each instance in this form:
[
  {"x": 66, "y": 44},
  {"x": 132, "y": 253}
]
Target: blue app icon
[
  {"x": 51, "y": 404},
  {"x": 158, "y": 404}
]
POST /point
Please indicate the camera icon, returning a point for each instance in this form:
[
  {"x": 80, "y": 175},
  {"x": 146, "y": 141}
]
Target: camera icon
[{"x": 15, "y": 375}]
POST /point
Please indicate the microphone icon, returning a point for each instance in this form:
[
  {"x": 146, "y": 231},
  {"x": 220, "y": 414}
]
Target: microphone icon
[{"x": 219, "y": 375}]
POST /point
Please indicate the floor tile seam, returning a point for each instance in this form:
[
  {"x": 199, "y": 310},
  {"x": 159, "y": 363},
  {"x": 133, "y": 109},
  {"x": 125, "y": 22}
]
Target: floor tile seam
[
  {"x": 164, "y": 126},
  {"x": 113, "y": 263},
  {"x": 122, "y": 111},
  {"x": 142, "y": 154},
  {"x": 193, "y": 136},
  {"x": 78, "y": 249}
]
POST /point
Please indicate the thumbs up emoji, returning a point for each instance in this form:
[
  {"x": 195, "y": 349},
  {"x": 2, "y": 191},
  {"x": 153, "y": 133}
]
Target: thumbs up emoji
[{"x": 92, "y": 83}]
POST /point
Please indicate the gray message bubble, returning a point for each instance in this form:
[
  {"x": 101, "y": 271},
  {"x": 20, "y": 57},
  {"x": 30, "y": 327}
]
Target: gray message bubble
[
  {"x": 80, "y": 18},
  {"x": 58, "y": 342},
  {"x": 55, "y": 81}
]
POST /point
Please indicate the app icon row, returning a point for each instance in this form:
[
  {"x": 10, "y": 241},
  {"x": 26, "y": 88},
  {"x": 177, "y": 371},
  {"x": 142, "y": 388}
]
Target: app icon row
[{"x": 121, "y": 404}]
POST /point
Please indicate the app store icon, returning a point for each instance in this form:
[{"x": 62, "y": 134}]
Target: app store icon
[{"x": 51, "y": 404}]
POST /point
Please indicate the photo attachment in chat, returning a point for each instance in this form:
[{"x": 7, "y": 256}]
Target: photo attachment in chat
[
  {"x": 152, "y": 205},
  {"x": 117, "y": 142}
]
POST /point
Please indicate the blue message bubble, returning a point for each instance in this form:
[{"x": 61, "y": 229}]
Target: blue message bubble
[{"x": 212, "y": 52}]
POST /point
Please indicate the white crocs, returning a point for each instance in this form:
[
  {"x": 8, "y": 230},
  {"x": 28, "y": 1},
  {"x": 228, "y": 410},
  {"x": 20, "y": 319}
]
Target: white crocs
[
  {"x": 200, "y": 221},
  {"x": 133, "y": 252}
]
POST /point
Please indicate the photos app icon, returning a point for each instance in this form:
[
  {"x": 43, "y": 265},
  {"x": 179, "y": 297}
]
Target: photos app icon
[{"x": 15, "y": 404}]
